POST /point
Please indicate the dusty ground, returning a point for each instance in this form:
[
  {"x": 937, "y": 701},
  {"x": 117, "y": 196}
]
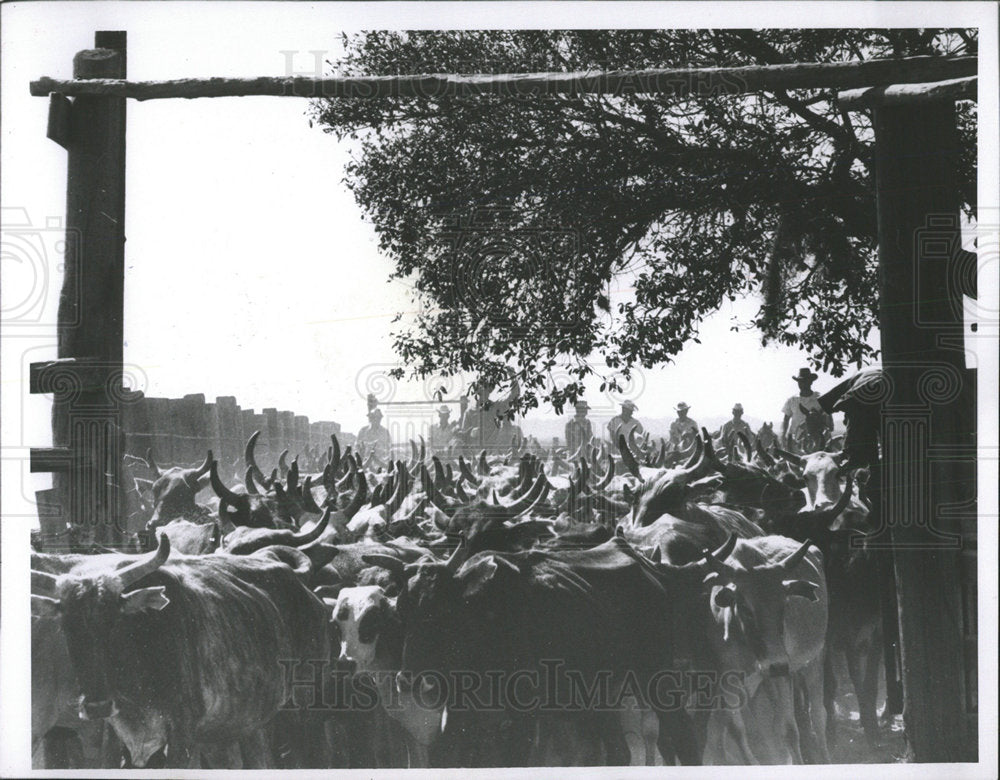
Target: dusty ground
[{"x": 852, "y": 746}]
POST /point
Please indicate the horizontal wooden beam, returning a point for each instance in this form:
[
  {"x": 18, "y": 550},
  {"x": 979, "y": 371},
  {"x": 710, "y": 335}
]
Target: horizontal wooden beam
[
  {"x": 67, "y": 375},
  {"x": 46, "y": 459},
  {"x": 679, "y": 82},
  {"x": 904, "y": 94}
]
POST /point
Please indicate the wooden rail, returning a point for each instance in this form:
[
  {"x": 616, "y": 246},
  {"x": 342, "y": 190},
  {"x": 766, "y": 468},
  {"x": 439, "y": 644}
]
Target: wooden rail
[{"x": 679, "y": 82}]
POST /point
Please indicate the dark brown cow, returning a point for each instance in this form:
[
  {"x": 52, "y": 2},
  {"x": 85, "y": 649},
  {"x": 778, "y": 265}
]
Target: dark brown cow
[
  {"x": 166, "y": 651},
  {"x": 173, "y": 492}
]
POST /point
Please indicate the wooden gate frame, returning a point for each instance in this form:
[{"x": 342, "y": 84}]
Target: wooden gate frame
[{"x": 930, "y": 418}]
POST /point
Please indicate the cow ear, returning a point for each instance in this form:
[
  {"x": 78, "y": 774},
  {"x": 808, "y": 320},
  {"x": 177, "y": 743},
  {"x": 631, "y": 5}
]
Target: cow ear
[
  {"x": 203, "y": 483},
  {"x": 44, "y": 607},
  {"x": 725, "y": 597},
  {"x": 480, "y": 574},
  {"x": 143, "y": 599},
  {"x": 803, "y": 588}
]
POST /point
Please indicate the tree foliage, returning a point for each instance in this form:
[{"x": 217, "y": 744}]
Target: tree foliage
[{"x": 512, "y": 216}]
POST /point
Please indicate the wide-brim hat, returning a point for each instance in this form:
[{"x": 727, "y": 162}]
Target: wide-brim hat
[
  {"x": 738, "y": 407},
  {"x": 805, "y": 373},
  {"x": 444, "y": 410},
  {"x": 682, "y": 407},
  {"x": 375, "y": 413},
  {"x": 629, "y": 405},
  {"x": 581, "y": 404}
]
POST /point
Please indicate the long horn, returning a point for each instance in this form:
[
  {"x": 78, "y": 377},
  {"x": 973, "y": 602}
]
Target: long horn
[
  {"x": 310, "y": 536},
  {"x": 440, "y": 479},
  {"x": 292, "y": 477},
  {"x": 742, "y": 438},
  {"x": 348, "y": 478},
  {"x": 628, "y": 457},
  {"x": 221, "y": 490},
  {"x": 484, "y": 468},
  {"x": 202, "y": 469},
  {"x": 282, "y": 464},
  {"x": 132, "y": 573},
  {"x": 426, "y": 482},
  {"x": 763, "y": 455},
  {"x": 152, "y": 464},
  {"x": 709, "y": 453},
  {"x": 415, "y": 512},
  {"x": 795, "y": 558},
  {"x": 528, "y": 498},
  {"x": 608, "y": 475},
  {"x": 335, "y": 453},
  {"x": 466, "y": 472},
  {"x": 360, "y": 496},
  {"x": 423, "y": 448},
  {"x": 571, "y": 499},
  {"x": 248, "y": 456},
  {"x": 726, "y": 549},
  {"x": 402, "y": 488},
  {"x": 543, "y": 494},
  {"x": 248, "y": 481},
  {"x": 458, "y": 557},
  {"x": 377, "y": 497},
  {"x": 414, "y": 459},
  {"x": 308, "y": 502},
  {"x": 524, "y": 483},
  {"x": 293, "y": 558},
  {"x": 791, "y": 457},
  {"x": 328, "y": 480},
  {"x": 715, "y": 559}
]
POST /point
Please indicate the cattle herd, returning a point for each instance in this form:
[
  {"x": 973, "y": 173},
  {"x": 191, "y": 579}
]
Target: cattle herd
[{"x": 646, "y": 606}]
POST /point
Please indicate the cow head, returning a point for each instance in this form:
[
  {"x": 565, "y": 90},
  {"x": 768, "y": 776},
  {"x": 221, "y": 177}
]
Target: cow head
[
  {"x": 241, "y": 508},
  {"x": 748, "y": 602},
  {"x": 92, "y": 608},
  {"x": 362, "y": 615},
  {"x": 667, "y": 491},
  {"x": 821, "y": 474},
  {"x": 435, "y": 610},
  {"x": 766, "y": 435},
  {"x": 752, "y": 486},
  {"x": 173, "y": 491}
]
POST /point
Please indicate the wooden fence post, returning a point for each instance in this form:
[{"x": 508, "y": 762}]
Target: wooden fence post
[
  {"x": 929, "y": 446},
  {"x": 86, "y": 381}
]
